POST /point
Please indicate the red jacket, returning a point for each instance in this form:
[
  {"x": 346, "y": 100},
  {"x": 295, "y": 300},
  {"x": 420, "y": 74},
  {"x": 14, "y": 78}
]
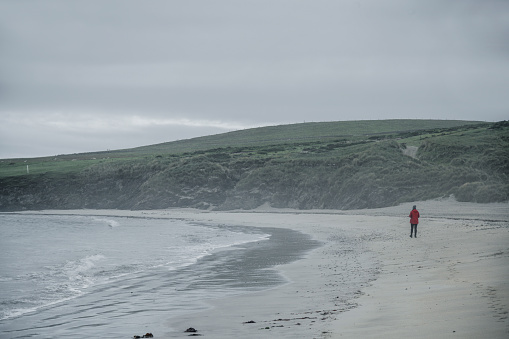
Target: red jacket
[{"x": 414, "y": 217}]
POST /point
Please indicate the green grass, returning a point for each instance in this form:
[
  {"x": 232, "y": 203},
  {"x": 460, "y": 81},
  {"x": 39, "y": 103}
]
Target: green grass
[
  {"x": 52, "y": 166},
  {"x": 260, "y": 142},
  {"x": 300, "y": 133}
]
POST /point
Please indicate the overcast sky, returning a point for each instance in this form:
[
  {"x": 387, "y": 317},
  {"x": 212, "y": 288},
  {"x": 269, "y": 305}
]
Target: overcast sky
[{"x": 92, "y": 75}]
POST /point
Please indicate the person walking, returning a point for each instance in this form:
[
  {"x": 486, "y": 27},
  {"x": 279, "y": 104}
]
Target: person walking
[{"x": 414, "y": 220}]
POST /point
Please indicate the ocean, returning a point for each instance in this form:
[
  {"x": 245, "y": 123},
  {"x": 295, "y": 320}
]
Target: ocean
[{"x": 71, "y": 276}]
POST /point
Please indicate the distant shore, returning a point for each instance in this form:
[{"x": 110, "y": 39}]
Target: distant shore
[{"x": 369, "y": 279}]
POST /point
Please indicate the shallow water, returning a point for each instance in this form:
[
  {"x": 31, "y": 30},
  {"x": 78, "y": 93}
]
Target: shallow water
[{"x": 71, "y": 276}]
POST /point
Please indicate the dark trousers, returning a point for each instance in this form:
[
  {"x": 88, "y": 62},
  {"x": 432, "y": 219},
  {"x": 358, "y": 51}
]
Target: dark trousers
[{"x": 413, "y": 229}]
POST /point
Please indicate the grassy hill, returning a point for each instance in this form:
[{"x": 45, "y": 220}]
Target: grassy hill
[{"x": 340, "y": 165}]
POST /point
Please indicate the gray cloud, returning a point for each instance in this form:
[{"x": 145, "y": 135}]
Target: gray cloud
[{"x": 239, "y": 64}]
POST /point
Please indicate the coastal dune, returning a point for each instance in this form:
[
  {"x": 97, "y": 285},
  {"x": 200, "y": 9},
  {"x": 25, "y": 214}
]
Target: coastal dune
[{"x": 369, "y": 279}]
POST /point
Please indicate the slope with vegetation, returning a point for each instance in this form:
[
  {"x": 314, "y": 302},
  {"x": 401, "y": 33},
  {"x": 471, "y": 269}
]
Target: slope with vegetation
[{"x": 335, "y": 165}]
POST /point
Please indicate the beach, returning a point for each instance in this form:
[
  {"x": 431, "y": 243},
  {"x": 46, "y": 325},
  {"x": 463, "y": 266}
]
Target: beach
[{"x": 368, "y": 279}]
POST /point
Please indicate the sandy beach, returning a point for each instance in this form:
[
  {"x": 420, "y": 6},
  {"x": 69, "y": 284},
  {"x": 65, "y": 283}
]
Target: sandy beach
[{"x": 369, "y": 279}]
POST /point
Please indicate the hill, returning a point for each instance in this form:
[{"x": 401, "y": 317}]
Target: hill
[{"x": 333, "y": 165}]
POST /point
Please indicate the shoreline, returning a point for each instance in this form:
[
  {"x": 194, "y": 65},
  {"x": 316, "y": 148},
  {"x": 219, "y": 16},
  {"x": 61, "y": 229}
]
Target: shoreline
[{"x": 452, "y": 281}]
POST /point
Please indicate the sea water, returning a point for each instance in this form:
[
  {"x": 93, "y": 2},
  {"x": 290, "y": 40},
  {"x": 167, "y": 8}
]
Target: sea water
[{"x": 69, "y": 276}]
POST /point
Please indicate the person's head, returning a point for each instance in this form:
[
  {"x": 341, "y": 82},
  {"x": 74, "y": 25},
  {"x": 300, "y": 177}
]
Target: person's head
[{"x": 415, "y": 207}]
